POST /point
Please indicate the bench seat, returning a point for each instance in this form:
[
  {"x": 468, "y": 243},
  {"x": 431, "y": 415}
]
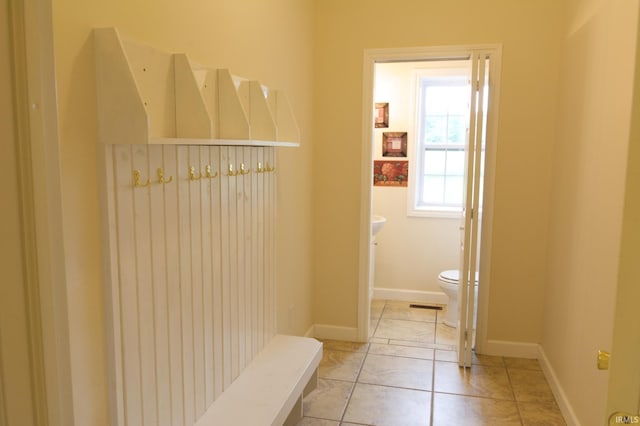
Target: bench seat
[{"x": 270, "y": 387}]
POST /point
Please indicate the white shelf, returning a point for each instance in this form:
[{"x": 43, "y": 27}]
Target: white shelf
[
  {"x": 147, "y": 96},
  {"x": 221, "y": 142}
]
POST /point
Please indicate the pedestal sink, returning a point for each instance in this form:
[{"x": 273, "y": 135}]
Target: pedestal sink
[{"x": 377, "y": 222}]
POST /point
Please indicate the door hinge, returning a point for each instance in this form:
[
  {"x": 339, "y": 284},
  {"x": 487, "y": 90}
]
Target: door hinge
[{"x": 477, "y": 85}]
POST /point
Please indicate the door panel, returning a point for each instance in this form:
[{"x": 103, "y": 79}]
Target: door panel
[{"x": 471, "y": 223}]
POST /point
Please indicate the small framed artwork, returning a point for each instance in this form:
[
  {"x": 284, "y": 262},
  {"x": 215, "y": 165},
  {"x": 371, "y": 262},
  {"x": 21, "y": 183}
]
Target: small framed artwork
[
  {"x": 394, "y": 144},
  {"x": 390, "y": 173},
  {"x": 382, "y": 115}
]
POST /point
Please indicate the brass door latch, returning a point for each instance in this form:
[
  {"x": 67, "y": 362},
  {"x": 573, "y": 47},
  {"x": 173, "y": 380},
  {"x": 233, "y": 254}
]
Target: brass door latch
[{"x": 603, "y": 360}]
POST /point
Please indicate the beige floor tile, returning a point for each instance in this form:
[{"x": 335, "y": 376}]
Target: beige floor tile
[
  {"x": 472, "y": 411},
  {"x": 488, "y": 360},
  {"x": 476, "y": 359},
  {"x": 376, "y": 308},
  {"x": 395, "y": 371},
  {"x": 406, "y": 330},
  {"x": 446, "y": 335},
  {"x": 385, "y": 406},
  {"x": 340, "y": 365},
  {"x": 540, "y": 414},
  {"x": 379, "y": 340},
  {"x": 421, "y": 345},
  {"x": 310, "y": 421},
  {"x": 373, "y": 325},
  {"x": 328, "y": 400},
  {"x": 449, "y": 356},
  {"x": 339, "y": 345},
  {"x": 530, "y": 385},
  {"x": 522, "y": 363},
  {"x": 402, "y": 311},
  {"x": 398, "y": 350},
  {"x": 479, "y": 380}
]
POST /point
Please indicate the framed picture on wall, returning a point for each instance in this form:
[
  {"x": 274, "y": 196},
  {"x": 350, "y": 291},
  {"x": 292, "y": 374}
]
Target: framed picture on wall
[
  {"x": 390, "y": 173},
  {"x": 394, "y": 144},
  {"x": 381, "y": 119}
]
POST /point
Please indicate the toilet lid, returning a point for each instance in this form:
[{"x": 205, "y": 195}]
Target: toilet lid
[{"x": 452, "y": 276}]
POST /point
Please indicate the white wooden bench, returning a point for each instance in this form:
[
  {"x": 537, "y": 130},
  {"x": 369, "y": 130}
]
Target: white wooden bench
[{"x": 270, "y": 389}]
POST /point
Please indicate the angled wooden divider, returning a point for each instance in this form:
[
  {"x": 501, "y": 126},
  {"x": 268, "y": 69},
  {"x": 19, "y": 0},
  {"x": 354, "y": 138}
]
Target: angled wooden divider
[{"x": 147, "y": 96}]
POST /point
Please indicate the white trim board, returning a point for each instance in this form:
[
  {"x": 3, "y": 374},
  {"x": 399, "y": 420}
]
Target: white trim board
[
  {"x": 510, "y": 349},
  {"x": 558, "y": 392},
  {"x": 436, "y": 297},
  {"x": 334, "y": 332},
  {"x": 534, "y": 350}
]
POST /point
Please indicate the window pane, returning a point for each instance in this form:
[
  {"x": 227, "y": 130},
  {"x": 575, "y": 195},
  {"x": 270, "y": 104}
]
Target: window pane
[
  {"x": 456, "y": 129},
  {"x": 455, "y": 163},
  {"x": 453, "y": 193},
  {"x": 434, "y": 162},
  {"x": 433, "y": 190},
  {"x": 435, "y": 129}
]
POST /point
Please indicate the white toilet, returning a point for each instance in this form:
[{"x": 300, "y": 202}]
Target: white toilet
[{"x": 448, "y": 281}]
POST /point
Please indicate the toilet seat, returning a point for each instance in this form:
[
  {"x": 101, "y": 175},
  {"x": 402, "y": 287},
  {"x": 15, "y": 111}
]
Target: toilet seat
[{"x": 452, "y": 276}]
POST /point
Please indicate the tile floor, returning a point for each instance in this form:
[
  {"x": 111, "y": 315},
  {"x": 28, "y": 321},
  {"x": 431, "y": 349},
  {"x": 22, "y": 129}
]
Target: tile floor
[{"x": 407, "y": 375}]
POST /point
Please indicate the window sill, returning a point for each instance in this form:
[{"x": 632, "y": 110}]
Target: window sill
[{"x": 435, "y": 212}]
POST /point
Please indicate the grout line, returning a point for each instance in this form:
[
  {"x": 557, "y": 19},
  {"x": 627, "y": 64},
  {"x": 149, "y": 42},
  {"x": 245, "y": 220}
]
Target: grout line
[
  {"x": 513, "y": 392},
  {"x": 433, "y": 378},
  {"x": 355, "y": 382}
]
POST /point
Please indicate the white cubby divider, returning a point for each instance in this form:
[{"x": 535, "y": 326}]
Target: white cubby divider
[{"x": 147, "y": 96}]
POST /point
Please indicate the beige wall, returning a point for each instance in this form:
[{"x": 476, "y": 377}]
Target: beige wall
[
  {"x": 624, "y": 379},
  {"x": 526, "y": 124},
  {"x": 410, "y": 251},
  {"x": 587, "y": 197},
  {"x": 269, "y": 41},
  {"x": 16, "y": 394}
]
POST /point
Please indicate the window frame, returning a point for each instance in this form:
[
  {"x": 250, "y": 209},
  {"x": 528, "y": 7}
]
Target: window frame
[{"x": 439, "y": 69}]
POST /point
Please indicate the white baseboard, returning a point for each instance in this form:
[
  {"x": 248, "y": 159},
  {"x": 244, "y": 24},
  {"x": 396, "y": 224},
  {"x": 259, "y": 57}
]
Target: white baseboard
[
  {"x": 510, "y": 349},
  {"x": 436, "y": 297},
  {"x": 311, "y": 332},
  {"x": 333, "y": 332},
  {"x": 558, "y": 392}
]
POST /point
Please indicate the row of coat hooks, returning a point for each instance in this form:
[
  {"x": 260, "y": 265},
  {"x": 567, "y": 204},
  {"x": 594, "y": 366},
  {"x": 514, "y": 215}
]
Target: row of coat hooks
[{"x": 207, "y": 174}]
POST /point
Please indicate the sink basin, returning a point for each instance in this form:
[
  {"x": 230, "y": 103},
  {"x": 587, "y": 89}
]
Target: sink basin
[{"x": 377, "y": 222}]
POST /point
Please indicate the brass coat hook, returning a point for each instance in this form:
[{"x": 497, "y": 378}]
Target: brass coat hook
[
  {"x": 260, "y": 169},
  {"x": 161, "y": 178},
  {"x": 232, "y": 172},
  {"x": 193, "y": 175},
  {"x": 268, "y": 168},
  {"x": 207, "y": 171},
  {"x": 136, "y": 179},
  {"x": 244, "y": 171}
]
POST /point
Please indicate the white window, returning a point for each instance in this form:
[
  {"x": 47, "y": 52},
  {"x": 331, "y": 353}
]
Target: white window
[{"x": 442, "y": 120}]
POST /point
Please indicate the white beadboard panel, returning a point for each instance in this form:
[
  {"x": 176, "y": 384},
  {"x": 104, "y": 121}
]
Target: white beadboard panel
[
  {"x": 191, "y": 274},
  {"x": 207, "y": 276},
  {"x": 216, "y": 265},
  {"x": 158, "y": 280},
  {"x": 196, "y": 233},
  {"x": 238, "y": 200},
  {"x": 271, "y": 263},
  {"x": 186, "y": 288},
  {"x": 112, "y": 280},
  {"x": 256, "y": 155},
  {"x": 261, "y": 257},
  {"x": 233, "y": 266},
  {"x": 174, "y": 299},
  {"x": 225, "y": 267},
  {"x": 128, "y": 303}
]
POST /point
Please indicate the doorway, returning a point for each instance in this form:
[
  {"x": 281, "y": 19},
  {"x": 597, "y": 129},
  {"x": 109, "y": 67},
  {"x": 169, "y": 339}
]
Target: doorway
[{"x": 402, "y": 143}]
